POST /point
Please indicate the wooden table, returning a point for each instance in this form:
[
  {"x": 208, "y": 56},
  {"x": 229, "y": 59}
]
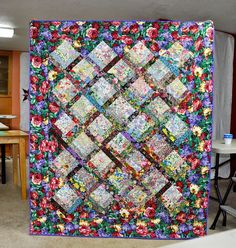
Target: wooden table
[{"x": 17, "y": 137}]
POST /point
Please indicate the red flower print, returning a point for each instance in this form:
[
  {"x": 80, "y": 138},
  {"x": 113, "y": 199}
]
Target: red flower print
[
  {"x": 134, "y": 28},
  {"x": 207, "y": 146},
  {"x": 116, "y": 24},
  {"x": 54, "y": 183},
  {"x": 34, "y": 195},
  {"x": 53, "y": 107},
  {"x": 43, "y": 147},
  {"x": 52, "y": 146},
  {"x": 115, "y": 35},
  {"x": 36, "y": 120},
  {"x": 156, "y": 25},
  {"x": 36, "y": 62},
  {"x": 34, "y": 79},
  {"x": 92, "y": 33},
  {"x": 36, "y": 178},
  {"x": 43, "y": 203},
  {"x": 74, "y": 29},
  {"x": 125, "y": 30},
  {"x": 149, "y": 212},
  {"x": 210, "y": 33},
  {"x": 174, "y": 236},
  {"x": 174, "y": 34},
  {"x": 95, "y": 25},
  {"x": 154, "y": 47},
  {"x": 44, "y": 87},
  {"x": 39, "y": 156},
  {"x": 141, "y": 230},
  {"x": 181, "y": 217},
  {"x": 34, "y": 32},
  {"x": 152, "y": 33},
  {"x": 85, "y": 230},
  {"x": 126, "y": 39},
  {"x": 199, "y": 230},
  {"x": 193, "y": 28},
  {"x": 198, "y": 44}
]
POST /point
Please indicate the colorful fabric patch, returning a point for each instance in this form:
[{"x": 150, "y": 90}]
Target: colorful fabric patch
[
  {"x": 82, "y": 109},
  {"x": 84, "y": 71},
  {"x": 139, "y": 91},
  {"x": 67, "y": 198},
  {"x": 83, "y": 181},
  {"x": 102, "y": 91},
  {"x": 83, "y": 145},
  {"x": 101, "y": 197},
  {"x": 101, "y": 163},
  {"x": 64, "y": 54},
  {"x": 100, "y": 128},
  {"x": 139, "y": 54},
  {"x": 118, "y": 116},
  {"x": 120, "y": 110},
  {"x": 65, "y": 91},
  {"x": 122, "y": 71},
  {"x": 64, "y": 163},
  {"x": 102, "y": 55},
  {"x": 140, "y": 126},
  {"x": 175, "y": 166},
  {"x": 64, "y": 123},
  {"x": 154, "y": 180}
]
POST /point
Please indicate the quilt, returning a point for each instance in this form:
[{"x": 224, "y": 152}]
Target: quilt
[{"x": 120, "y": 128}]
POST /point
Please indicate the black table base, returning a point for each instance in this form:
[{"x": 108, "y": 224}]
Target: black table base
[{"x": 3, "y": 154}]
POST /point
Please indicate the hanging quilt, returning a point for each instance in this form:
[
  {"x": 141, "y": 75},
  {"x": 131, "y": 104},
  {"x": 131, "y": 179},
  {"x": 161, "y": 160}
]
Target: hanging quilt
[{"x": 120, "y": 128}]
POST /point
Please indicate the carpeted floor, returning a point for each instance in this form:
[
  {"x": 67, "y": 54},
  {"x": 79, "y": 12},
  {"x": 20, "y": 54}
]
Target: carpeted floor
[{"x": 14, "y": 219}]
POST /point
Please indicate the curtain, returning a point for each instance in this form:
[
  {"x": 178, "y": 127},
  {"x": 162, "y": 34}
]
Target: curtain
[
  {"x": 24, "y": 84},
  {"x": 223, "y": 83}
]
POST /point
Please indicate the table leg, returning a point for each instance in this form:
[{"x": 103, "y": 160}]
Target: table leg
[
  {"x": 219, "y": 197},
  {"x": 3, "y": 151},
  {"x": 22, "y": 153},
  {"x": 15, "y": 163}
]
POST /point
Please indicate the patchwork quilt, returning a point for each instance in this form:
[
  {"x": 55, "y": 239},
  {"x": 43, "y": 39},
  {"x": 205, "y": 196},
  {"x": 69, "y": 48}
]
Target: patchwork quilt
[{"x": 120, "y": 128}]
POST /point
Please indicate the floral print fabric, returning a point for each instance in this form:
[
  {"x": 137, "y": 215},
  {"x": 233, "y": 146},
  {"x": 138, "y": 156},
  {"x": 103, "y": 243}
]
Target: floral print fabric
[{"x": 120, "y": 128}]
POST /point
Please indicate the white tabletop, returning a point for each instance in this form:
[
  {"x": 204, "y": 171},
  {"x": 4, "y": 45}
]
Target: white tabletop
[
  {"x": 3, "y": 127},
  {"x": 218, "y": 146},
  {"x": 7, "y": 116},
  {"x": 218, "y": 240}
]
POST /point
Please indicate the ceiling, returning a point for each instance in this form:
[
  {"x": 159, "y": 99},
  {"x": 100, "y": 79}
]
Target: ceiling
[{"x": 18, "y": 13}]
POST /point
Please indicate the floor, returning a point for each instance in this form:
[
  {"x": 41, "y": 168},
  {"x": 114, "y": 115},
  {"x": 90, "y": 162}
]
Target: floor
[{"x": 14, "y": 219}]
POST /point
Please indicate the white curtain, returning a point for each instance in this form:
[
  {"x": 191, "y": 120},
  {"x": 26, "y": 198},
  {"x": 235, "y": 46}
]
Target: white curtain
[
  {"x": 223, "y": 83},
  {"x": 24, "y": 84}
]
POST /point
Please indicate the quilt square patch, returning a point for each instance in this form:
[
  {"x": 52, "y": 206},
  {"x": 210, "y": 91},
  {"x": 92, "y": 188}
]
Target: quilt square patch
[
  {"x": 102, "y": 91},
  {"x": 83, "y": 145},
  {"x": 102, "y": 55},
  {"x": 120, "y": 110},
  {"x": 101, "y": 163},
  {"x": 84, "y": 71},
  {"x": 101, "y": 197},
  {"x": 139, "y": 54},
  {"x": 64, "y": 54},
  {"x": 139, "y": 91},
  {"x": 122, "y": 71},
  {"x": 100, "y": 128},
  {"x": 65, "y": 91},
  {"x": 64, "y": 163},
  {"x": 82, "y": 109},
  {"x": 67, "y": 198}
]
